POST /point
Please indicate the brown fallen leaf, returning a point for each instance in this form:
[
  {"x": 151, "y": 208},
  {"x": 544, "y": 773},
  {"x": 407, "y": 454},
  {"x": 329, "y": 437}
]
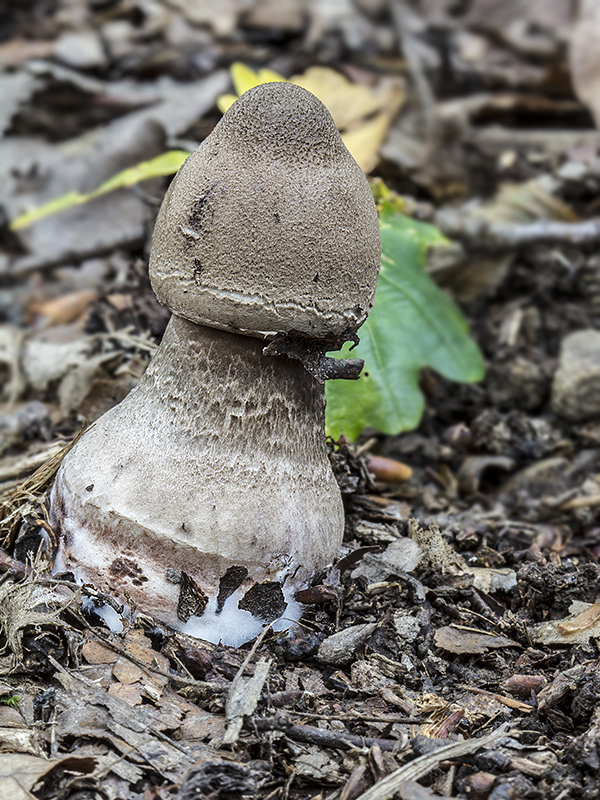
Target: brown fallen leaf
[
  {"x": 95, "y": 653},
  {"x": 127, "y": 672},
  {"x": 523, "y": 685},
  {"x": 64, "y": 309},
  {"x": 563, "y": 685},
  {"x": 580, "y": 622},
  {"x": 19, "y": 773},
  {"x": 130, "y": 693},
  {"x": 468, "y": 640},
  {"x": 316, "y": 594}
]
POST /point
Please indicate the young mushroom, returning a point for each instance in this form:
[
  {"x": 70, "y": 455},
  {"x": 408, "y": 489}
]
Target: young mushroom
[{"x": 206, "y": 497}]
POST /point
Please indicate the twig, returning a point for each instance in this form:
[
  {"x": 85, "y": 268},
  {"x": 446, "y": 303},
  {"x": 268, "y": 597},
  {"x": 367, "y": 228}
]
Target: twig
[
  {"x": 507, "y": 701},
  {"x": 319, "y": 736},
  {"x": 581, "y": 502},
  {"x": 387, "y": 788},
  {"x": 478, "y": 234},
  {"x": 415, "y": 66},
  {"x": 8, "y": 564},
  {"x": 356, "y": 717}
]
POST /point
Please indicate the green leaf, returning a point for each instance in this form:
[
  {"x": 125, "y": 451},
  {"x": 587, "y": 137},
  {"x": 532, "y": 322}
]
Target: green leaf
[
  {"x": 413, "y": 324},
  {"x": 165, "y": 164},
  {"x": 11, "y": 700}
]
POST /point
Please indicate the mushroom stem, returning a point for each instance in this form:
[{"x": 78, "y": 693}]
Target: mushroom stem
[{"x": 208, "y": 482}]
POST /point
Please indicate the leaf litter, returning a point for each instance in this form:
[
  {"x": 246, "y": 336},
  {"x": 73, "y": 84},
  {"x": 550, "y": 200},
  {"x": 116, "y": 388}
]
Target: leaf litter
[{"x": 452, "y": 653}]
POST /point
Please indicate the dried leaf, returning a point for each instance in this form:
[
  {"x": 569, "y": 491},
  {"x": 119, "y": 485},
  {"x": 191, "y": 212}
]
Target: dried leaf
[
  {"x": 401, "y": 555},
  {"x": 26, "y": 605},
  {"x": 437, "y": 551},
  {"x": 582, "y": 624},
  {"x": 458, "y": 640},
  {"x": 316, "y": 765},
  {"x": 19, "y": 773},
  {"x": 588, "y": 617},
  {"x": 243, "y": 698},
  {"x": 86, "y": 711},
  {"x": 487, "y": 579},
  {"x": 64, "y": 309},
  {"x": 341, "y": 647},
  {"x": 526, "y": 202}
]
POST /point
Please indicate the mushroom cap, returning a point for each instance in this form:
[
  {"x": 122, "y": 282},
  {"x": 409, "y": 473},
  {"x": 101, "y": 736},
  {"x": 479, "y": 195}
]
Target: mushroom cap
[{"x": 270, "y": 225}]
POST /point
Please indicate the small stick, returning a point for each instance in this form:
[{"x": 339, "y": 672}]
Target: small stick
[
  {"x": 318, "y": 736},
  {"x": 387, "y": 788},
  {"x": 477, "y": 234}
]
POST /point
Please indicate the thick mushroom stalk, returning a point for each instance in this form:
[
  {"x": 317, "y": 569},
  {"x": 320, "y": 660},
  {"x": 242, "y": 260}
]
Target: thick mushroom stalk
[
  {"x": 210, "y": 479},
  {"x": 206, "y": 497}
]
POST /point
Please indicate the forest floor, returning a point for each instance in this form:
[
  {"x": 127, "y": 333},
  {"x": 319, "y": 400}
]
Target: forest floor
[{"x": 452, "y": 650}]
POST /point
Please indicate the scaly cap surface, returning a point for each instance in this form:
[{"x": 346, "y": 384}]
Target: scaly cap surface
[{"x": 270, "y": 225}]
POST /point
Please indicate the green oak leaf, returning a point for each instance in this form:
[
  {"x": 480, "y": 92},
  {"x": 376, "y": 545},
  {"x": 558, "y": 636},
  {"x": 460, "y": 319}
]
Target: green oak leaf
[{"x": 413, "y": 324}]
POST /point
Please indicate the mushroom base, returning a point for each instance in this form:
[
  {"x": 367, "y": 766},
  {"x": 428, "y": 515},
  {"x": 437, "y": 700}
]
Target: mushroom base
[
  {"x": 231, "y": 625},
  {"x": 207, "y": 495}
]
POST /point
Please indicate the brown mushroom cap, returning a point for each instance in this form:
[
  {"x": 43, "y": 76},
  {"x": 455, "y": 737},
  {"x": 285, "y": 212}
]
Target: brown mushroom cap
[{"x": 270, "y": 225}]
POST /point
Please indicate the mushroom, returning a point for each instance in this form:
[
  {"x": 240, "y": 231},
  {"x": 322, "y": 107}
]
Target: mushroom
[{"x": 206, "y": 497}]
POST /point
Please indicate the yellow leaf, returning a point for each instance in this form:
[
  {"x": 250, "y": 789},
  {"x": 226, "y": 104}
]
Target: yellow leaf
[
  {"x": 225, "y": 101},
  {"x": 364, "y": 141},
  {"x": 52, "y": 207},
  {"x": 361, "y": 114},
  {"x": 348, "y": 103},
  {"x": 243, "y": 78},
  {"x": 165, "y": 164},
  {"x": 270, "y": 76}
]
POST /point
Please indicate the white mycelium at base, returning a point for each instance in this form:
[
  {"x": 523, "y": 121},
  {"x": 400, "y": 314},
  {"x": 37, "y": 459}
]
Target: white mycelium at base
[{"x": 240, "y": 625}]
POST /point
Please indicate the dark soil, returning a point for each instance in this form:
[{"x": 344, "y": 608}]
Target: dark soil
[{"x": 465, "y": 601}]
